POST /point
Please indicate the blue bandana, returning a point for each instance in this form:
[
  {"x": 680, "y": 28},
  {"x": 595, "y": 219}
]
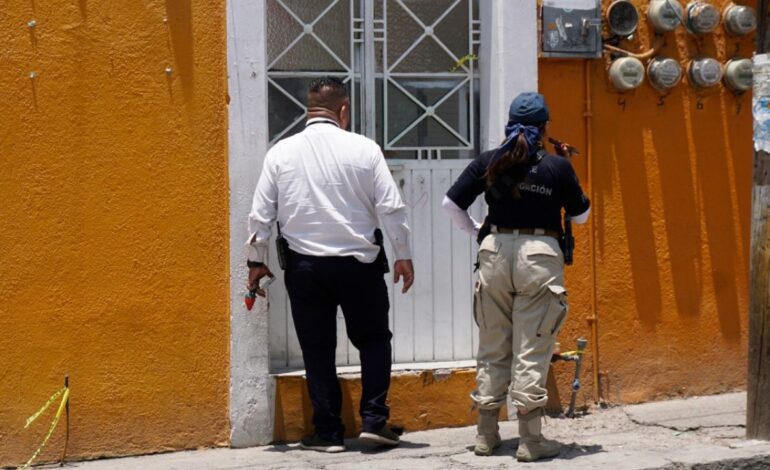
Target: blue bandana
[{"x": 512, "y": 132}]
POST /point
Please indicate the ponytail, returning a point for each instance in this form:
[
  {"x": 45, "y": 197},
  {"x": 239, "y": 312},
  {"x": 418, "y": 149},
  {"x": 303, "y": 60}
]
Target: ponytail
[{"x": 512, "y": 163}]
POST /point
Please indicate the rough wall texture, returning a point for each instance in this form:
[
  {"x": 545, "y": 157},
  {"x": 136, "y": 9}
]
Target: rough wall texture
[
  {"x": 251, "y": 387},
  {"x": 671, "y": 201},
  {"x": 426, "y": 399},
  {"x": 113, "y": 246}
]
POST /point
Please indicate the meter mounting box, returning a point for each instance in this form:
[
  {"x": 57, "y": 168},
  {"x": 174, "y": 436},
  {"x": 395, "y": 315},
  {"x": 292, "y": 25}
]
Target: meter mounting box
[{"x": 571, "y": 28}]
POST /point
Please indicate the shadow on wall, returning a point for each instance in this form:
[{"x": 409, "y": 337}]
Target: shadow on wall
[
  {"x": 179, "y": 14},
  {"x": 291, "y": 400},
  {"x": 628, "y": 158},
  {"x": 734, "y": 107},
  {"x": 425, "y": 399},
  {"x": 619, "y": 159},
  {"x": 680, "y": 205},
  {"x": 716, "y": 191},
  {"x": 676, "y": 175},
  {"x": 294, "y": 411},
  {"x": 717, "y": 188}
]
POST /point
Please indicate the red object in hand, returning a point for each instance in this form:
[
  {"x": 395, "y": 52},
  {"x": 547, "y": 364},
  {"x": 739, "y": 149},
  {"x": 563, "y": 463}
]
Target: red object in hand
[{"x": 249, "y": 299}]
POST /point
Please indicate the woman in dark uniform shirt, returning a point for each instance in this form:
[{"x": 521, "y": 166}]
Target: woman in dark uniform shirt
[{"x": 519, "y": 300}]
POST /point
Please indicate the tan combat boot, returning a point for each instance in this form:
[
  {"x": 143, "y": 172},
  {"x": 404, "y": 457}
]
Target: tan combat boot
[
  {"x": 488, "y": 437},
  {"x": 532, "y": 445}
]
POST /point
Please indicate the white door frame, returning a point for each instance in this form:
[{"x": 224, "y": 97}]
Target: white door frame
[
  {"x": 508, "y": 61},
  {"x": 252, "y": 390}
]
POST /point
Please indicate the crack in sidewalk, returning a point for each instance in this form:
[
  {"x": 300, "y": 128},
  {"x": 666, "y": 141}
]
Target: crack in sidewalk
[
  {"x": 385, "y": 456},
  {"x": 679, "y": 428}
]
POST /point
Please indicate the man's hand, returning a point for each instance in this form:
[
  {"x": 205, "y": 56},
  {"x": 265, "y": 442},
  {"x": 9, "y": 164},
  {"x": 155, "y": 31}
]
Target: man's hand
[
  {"x": 403, "y": 267},
  {"x": 255, "y": 275}
]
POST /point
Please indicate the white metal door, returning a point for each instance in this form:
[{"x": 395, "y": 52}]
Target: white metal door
[{"x": 409, "y": 65}]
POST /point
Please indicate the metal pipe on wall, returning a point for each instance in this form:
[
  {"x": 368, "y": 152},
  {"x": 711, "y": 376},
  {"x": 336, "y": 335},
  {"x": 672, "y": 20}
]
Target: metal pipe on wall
[{"x": 594, "y": 318}]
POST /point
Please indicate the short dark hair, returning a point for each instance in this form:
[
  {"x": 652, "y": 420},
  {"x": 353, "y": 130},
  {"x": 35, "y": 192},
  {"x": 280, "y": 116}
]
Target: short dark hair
[
  {"x": 326, "y": 92},
  {"x": 334, "y": 83}
]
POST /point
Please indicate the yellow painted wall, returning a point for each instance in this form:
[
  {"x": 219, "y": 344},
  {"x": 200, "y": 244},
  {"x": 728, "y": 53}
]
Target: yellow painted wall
[
  {"x": 671, "y": 208},
  {"x": 114, "y": 234},
  {"x": 418, "y": 400}
]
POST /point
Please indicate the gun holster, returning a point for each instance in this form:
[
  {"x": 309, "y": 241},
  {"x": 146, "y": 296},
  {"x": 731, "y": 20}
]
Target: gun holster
[
  {"x": 382, "y": 259},
  {"x": 567, "y": 241},
  {"x": 282, "y": 249}
]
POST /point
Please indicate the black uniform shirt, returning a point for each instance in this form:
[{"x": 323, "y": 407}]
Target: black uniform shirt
[{"x": 550, "y": 185}]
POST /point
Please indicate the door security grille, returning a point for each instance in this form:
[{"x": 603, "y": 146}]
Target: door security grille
[{"x": 410, "y": 67}]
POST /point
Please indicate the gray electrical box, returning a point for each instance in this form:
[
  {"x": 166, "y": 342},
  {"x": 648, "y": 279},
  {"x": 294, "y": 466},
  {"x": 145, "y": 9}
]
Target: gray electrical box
[{"x": 571, "y": 28}]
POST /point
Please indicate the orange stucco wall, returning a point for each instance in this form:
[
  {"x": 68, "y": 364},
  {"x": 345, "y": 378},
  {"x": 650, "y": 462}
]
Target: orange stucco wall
[
  {"x": 113, "y": 245},
  {"x": 419, "y": 400},
  {"x": 671, "y": 210}
]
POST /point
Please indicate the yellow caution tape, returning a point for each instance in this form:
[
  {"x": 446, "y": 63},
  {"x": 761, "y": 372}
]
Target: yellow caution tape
[
  {"x": 65, "y": 393},
  {"x": 53, "y": 398},
  {"x": 463, "y": 60},
  {"x": 573, "y": 353}
]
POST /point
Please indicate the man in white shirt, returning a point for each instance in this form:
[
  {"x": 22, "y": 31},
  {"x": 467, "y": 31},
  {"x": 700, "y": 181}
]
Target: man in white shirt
[{"x": 327, "y": 188}]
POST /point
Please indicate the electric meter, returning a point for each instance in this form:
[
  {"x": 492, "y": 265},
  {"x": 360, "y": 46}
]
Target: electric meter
[
  {"x": 665, "y": 15},
  {"x": 701, "y": 17},
  {"x": 739, "y": 74},
  {"x": 664, "y": 73},
  {"x": 627, "y": 73},
  {"x": 705, "y": 72},
  {"x": 622, "y": 17},
  {"x": 740, "y": 19}
]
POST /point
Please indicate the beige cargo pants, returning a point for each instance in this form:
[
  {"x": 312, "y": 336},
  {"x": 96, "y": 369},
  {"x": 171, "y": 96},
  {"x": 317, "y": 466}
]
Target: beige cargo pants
[{"x": 519, "y": 305}]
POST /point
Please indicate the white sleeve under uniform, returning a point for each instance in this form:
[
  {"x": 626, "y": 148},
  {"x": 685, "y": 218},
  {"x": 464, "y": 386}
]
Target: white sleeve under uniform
[{"x": 327, "y": 188}]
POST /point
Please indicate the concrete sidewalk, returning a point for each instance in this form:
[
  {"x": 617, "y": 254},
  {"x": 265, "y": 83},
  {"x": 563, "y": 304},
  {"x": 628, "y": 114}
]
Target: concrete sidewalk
[{"x": 676, "y": 434}]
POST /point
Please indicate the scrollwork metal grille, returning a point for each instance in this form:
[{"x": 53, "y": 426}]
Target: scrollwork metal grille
[{"x": 422, "y": 99}]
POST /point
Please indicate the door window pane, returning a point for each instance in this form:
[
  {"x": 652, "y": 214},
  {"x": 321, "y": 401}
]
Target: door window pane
[
  {"x": 308, "y": 36},
  {"x": 428, "y": 112},
  {"x": 424, "y": 102}
]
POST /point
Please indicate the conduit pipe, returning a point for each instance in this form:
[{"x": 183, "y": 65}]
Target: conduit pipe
[
  {"x": 594, "y": 318},
  {"x": 656, "y": 45}
]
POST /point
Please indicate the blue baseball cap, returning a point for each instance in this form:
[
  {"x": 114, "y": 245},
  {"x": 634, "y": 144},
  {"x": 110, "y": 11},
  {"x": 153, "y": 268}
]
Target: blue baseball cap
[{"x": 528, "y": 108}]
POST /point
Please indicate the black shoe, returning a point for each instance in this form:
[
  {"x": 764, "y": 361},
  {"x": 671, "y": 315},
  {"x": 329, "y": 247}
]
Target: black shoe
[
  {"x": 384, "y": 437},
  {"x": 318, "y": 443}
]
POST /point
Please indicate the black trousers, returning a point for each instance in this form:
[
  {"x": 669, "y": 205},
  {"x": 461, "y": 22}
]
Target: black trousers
[{"x": 316, "y": 287}]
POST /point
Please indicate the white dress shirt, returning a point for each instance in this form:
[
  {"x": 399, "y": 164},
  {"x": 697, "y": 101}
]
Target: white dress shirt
[{"x": 327, "y": 187}]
